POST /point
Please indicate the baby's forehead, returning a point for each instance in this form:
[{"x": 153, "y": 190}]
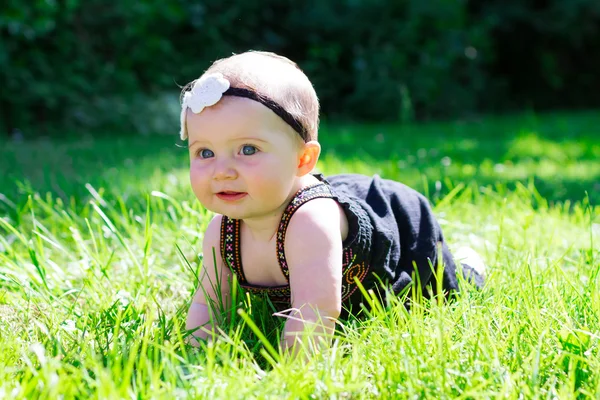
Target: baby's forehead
[
  {"x": 230, "y": 109},
  {"x": 233, "y": 116}
]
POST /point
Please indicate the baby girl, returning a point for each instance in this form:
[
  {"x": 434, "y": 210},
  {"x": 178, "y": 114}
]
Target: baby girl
[{"x": 303, "y": 240}]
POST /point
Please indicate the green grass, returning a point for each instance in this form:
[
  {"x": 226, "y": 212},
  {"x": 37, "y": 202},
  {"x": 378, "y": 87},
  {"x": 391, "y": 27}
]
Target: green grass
[{"x": 100, "y": 242}]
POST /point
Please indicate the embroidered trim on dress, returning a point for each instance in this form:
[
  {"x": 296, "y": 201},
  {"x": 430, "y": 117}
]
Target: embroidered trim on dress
[{"x": 230, "y": 246}]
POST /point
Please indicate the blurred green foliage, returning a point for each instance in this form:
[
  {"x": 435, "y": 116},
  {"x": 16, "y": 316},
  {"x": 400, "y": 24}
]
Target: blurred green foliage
[{"x": 94, "y": 64}]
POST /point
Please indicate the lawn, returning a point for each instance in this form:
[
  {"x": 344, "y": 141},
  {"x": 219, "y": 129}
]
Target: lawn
[{"x": 100, "y": 244}]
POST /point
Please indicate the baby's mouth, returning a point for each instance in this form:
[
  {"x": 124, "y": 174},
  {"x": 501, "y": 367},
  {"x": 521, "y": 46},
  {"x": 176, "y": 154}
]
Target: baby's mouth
[{"x": 231, "y": 196}]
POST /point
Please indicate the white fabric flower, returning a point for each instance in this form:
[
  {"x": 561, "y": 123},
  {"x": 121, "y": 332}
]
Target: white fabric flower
[{"x": 207, "y": 91}]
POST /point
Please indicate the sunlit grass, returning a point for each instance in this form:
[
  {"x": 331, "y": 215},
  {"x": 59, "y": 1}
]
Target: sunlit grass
[{"x": 96, "y": 276}]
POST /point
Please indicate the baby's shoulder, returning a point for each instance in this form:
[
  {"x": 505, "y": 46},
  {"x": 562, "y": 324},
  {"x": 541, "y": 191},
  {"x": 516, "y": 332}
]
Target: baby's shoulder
[
  {"x": 318, "y": 216},
  {"x": 212, "y": 233}
]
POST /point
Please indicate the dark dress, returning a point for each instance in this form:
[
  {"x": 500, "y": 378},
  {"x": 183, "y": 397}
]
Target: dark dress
[{"x": 393, "y": 241}]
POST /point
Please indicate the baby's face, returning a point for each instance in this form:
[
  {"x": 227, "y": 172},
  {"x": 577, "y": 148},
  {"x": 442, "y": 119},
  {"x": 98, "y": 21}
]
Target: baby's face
[{"x": 243, "y": 158}]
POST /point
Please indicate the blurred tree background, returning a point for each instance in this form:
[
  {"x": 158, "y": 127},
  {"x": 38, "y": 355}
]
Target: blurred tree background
[{"x": 108, "y": 66}]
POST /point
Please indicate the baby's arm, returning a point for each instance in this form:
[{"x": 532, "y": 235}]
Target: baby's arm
[
  {"x": 212, "y": 295},
  {"x": 313, "y": 249}
]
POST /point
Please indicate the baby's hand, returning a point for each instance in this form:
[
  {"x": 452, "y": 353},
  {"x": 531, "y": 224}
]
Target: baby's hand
[
  {"x": 198, "y": 324},
  {"x": 214, "y": 288},
  {"x": 307, "y": 330}
]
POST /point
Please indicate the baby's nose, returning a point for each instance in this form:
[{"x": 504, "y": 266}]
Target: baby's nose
[{"x": 224, "y": 170}]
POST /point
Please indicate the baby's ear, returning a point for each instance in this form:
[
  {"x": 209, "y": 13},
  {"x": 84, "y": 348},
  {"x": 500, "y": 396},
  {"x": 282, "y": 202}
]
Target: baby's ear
[{"x": 309, "y": 156}]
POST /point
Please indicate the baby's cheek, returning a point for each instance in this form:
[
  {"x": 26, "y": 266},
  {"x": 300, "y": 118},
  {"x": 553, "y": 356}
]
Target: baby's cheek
[
  {"x": 197, "y": 183},
  {"x": 274, "y": 187},
  {"x": 259, "y": 183},
  {"x": 193, "y": 177}
]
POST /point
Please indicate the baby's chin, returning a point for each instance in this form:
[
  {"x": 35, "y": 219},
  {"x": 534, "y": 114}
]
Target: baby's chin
[{"x": 217, "y": 209}]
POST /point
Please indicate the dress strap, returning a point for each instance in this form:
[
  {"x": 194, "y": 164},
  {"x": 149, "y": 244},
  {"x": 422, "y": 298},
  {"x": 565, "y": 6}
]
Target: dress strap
[
  {"x": 230, "y": 247},
  {"x": 319, "y": 190}
]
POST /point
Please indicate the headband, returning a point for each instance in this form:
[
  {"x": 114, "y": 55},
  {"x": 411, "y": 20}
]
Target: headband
[{"x": 208, "y": 90}]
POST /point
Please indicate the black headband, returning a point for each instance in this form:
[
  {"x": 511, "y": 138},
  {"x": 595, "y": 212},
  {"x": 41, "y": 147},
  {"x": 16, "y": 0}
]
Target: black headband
[{"x": 273, "y": 106}]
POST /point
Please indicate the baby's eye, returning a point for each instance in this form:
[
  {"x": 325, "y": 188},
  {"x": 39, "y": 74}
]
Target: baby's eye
[
  {"x": 248, "y": 150},
  {"x": 205, "y": 153}
]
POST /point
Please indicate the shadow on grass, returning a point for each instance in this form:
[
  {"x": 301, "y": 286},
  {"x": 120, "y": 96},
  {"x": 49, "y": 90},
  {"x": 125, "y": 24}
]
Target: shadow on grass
[{"x": 558, "y": 152}]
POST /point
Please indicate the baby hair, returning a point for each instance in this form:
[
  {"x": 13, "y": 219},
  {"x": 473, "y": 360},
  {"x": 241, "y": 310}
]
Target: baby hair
[{"x": 273, "y": 78}]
